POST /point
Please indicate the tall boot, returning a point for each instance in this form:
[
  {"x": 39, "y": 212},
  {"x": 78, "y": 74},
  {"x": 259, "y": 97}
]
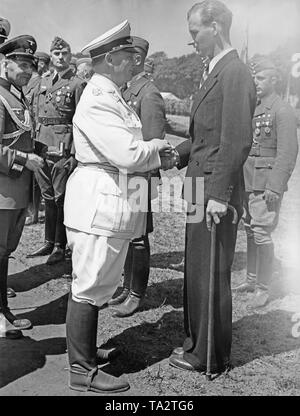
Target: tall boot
[
  {"x": 264, "y": 271},
  {"x": 81, "y": 327},
  {"x": 7, "y": 329},
  {"x": 127, "y": 279},
  {"x": 50, "y": 225},
  {"x": 140, "y": 276},
  {"x": 249, "y": 284},
  {"x": 60, "y": 238}
]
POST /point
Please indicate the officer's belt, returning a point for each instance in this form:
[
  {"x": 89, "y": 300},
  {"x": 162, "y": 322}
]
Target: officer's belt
[
  {"x": 111, "y": 169},
  {"x": 263, "y": 151},
  {"x": 46, "y": 121}
]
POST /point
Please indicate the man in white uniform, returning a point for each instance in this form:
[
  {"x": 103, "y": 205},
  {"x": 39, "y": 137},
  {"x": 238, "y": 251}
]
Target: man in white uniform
[{"x": 99, "y": 204}]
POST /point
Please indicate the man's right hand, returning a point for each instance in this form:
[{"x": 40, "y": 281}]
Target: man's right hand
[
  {"x": 34, "y": 162},
  {"x": 161, "y": 144}
]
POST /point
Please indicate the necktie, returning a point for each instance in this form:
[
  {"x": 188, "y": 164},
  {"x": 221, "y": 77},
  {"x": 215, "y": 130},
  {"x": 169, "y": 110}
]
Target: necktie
[
  {"x": 55, "y": 79},
  {"x": 205, "y": 72}
]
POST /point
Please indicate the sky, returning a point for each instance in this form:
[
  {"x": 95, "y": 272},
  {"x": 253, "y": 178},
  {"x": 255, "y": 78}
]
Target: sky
[{"x": 162, "y": 22}]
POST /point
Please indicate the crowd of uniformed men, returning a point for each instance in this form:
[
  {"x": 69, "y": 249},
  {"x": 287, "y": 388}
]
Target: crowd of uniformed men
[{"x": 68, "y": 132}]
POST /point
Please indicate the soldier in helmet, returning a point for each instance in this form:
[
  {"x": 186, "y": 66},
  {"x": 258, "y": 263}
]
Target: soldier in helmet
[
  {"x": 55, "y": 100},
  {"x": 17, "y": 162},
  {"x": 267, "y": 170}
]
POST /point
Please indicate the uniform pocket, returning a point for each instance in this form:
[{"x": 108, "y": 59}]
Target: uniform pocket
[{"x": 113, "y": 213}]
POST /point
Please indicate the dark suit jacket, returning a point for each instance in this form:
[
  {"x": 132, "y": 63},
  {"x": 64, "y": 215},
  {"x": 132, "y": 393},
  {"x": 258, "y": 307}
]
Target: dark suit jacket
[
  {"x": 221, "y": 131},
  {"x": 144, "y": 97}
]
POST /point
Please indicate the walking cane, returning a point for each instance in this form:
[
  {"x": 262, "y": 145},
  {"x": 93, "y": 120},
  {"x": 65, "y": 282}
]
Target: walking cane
[{"x": 211, "y": 294}]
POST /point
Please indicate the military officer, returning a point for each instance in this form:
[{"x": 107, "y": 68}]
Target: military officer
[
  {"x": 17, "y": 160},
  {"x": 42, "y": 67},
  {"x": 100, "y": 216},
  {"x": 4, "y": 29},
  {"x": 267, "y": 170},
  {"x": 56, "y": 98},
  {"x": 144, "y": 97},
  {"x": 84, "y": 68}
]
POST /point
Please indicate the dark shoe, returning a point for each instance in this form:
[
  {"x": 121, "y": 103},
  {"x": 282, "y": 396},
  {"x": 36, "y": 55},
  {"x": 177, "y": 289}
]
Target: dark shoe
[
  {"x": 45, "y": 250},
  {"x": 179, "y": 362},
  {"x": 11, "y": 293},
  {"x": 30, "y": 220},
  {"x": 95, "y": 380},
  {"x": 178, "y": 351},
  {"x": 17, "y": 323},
  {"x": 57, "y": 256},
  {"x": 177, "y": 266},
  {"x": 128, "y": 307},
  {"x": 244, "y": 287},
  {"x": 12, "y": 334},
  {"x": 261, "y": 298},
  {"x": 104, "y": 355},
  {"x": 7, "y": 330},
  {"x": 119, "y": 299}
]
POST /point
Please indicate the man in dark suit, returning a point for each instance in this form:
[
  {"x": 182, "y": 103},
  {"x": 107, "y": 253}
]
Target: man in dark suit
[
  {"x": 144, "y": 97},
  {"x": 220, "y": 129},
  {"x": 55, "y": 100}
]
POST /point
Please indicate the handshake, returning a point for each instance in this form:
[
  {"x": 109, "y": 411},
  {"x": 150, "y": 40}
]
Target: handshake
[{"x": 169, "y": 158}]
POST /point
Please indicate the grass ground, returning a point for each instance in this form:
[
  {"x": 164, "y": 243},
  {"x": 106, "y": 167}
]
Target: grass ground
[{"x": 266, "y": 343}]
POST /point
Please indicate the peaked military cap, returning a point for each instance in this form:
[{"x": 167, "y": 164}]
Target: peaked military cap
[
  {"x": 113, "y": 40},
  {"x": 59, "y": 43},
  {"x": 140, "y": 43},
  {"x": 4, "y": 29},
  {"x": 261, "y": 63},
  {"x": 23, "y": 47},
  {"x": 85, "y": 60},
  {"x": 73, "y": 61},
  {"x": 43, "y": 56}
]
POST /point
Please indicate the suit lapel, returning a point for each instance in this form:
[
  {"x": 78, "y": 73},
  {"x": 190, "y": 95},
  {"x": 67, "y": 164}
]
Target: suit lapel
[{"x": 211, "y": 81}]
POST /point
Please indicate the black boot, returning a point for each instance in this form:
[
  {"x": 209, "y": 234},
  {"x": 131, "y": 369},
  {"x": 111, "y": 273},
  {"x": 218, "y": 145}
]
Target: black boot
[
  {"x": 7, "y": 330},
  {"x": 50, "y": 224},
  {"x": 127, "y": 279},
  {"x": 249, "y": 284},
  {"x": 140, "y": 268},
  {"x": 58, "y": 254},
  {"x": 81, "y": 326},
  {"x": 264, "y": 271}
]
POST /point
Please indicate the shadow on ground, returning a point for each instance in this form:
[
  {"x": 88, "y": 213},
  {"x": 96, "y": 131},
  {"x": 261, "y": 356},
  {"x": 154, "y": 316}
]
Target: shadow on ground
[
  {"x": 254, "y": 337},
  {"x": 25, "y": 355},
  {"x": 37, "y": 275}
]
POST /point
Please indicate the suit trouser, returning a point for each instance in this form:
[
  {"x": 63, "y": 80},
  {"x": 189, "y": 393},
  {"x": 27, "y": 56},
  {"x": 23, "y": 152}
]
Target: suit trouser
[
  {"x": 97, "y": 266},
  {"x": 52, "y": 179},
  {"x": 196, "y": 290},
  {"x": 11, "y": 225}
]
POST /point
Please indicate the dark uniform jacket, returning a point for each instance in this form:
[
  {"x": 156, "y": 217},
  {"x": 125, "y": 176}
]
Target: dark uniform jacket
[
  {"x": 144, "y": 97},
  {"x": 221, "y": 131},
  {"x": 15, "y": 141},
  {"x": 55, "y": 107},
  {"x": 274, "y": 149},
  {"x": 31, "y": 86}
]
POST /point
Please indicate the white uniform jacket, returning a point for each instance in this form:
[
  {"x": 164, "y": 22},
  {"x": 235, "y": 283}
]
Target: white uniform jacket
[{"x": 108, "y": 144}]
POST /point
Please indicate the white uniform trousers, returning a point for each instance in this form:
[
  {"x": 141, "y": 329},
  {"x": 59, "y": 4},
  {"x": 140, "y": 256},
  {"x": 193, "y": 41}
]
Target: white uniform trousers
[{"x": 97, "y": 266}]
